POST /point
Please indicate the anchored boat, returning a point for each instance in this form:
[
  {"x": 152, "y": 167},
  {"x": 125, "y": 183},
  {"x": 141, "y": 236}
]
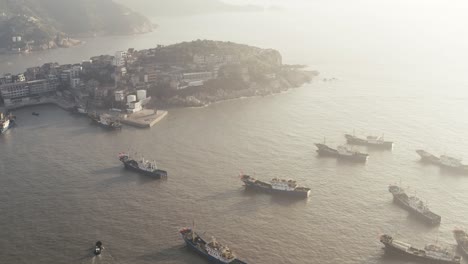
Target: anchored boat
[
  {"x": 370, "y": 141},
  {"x": 213, "y": 251},
  {"x": 342, "y": 152},
  {"x": 6, "y": 122},
  {"x": 430, "y": 253},
  {"x": 414, "y": 205},
  {"x": 142, "y": 166},
  {"x": 443, "y": 161},
  {"x": 276, "y": 186}
]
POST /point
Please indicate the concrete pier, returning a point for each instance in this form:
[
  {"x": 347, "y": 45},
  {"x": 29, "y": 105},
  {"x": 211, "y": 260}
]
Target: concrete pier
[{"x": 145, "y": 118}]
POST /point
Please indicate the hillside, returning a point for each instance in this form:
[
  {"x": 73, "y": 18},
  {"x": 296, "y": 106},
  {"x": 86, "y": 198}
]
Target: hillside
[
  {"x": 43, "y": 21},
  {"x": 154, "y": 8},
  {"x": 238, "y": 70}
]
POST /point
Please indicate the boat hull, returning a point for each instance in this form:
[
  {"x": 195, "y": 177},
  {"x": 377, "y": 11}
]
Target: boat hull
[
  {"x": 326, "y": 151},
  {"x": 427, "y": 157},
  {"x": 192, "y": 246},
  {"x": 10, "y": 125},
  {"x": 404, "y": 204},
  {"x": 158, "y": 174},
  {"x": 107, "y": 126},
  {"x": 461, "y": 238},
  {"x": 462, "y": 169},
  {"x": 352, "y": 140},
  {"x": 295, "y": 194},
  {"x": 390, "y": 249}
]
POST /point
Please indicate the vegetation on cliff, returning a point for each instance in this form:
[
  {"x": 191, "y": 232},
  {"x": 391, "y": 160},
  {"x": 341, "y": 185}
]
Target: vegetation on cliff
[
  {"x": 40, "y": 22},
  {"x": 250, "y": 71}
]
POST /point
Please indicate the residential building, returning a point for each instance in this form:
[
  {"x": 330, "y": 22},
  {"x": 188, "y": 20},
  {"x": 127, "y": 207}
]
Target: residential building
[
  {"x": 75, "y": 83},
  {"x": 197, "y": 76},
  {"x": 14, "y": 90},
  {"x": 39, "y": 87},
  {"x": 119, "y": 58},
  {"x": 21, "y": 91},
  {"x": 7, "y": 78},
  {"x": 65, "y": 76},
  {"x": 119, "y": 96}
]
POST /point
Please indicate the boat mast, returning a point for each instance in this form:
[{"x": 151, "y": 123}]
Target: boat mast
[{"x": 193, "y": 230}]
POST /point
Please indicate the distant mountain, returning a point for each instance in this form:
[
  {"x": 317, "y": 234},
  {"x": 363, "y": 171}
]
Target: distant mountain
[
  {"x": 184, "y": 7},
  {"x": 43, "y": 21}
]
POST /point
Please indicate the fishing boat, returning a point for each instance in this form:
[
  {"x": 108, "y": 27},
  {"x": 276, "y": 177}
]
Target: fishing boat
[
  {"x": 429, "y": 254},
  {"x": 141, "y": 165},
  {"x": 105, "y": 121},
  {"x": 213, "y": 251},
  {"x": 6, "y": 122}
]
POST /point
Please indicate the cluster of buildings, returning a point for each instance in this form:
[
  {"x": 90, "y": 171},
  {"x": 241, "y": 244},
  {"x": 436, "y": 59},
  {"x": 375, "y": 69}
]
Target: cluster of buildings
[
  {"x": 17, "y": 89},
  {"x": 154, "y": 66},
  {"x": 121, "y": 81}
]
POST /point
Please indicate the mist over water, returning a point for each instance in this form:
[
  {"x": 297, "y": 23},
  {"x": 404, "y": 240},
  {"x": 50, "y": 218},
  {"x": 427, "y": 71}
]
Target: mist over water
[{"x": 401, "y": 70}]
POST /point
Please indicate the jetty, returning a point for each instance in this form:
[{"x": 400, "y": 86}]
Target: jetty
[{"x": 145, "y": 118}]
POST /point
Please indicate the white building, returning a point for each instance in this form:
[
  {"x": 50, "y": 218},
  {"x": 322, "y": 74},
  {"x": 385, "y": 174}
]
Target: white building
[
  {"x": 21, "y": 78},
  {"x": 134, "y": 107},
  {"x": 119, "y": 58},
  {"x": 119, "y": 96}
]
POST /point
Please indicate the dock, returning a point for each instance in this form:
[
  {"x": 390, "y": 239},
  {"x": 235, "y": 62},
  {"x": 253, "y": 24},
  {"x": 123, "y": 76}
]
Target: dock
[{"x": 145, "y": 118}]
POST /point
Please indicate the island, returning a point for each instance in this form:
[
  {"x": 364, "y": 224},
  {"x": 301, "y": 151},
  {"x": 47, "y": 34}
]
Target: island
[
  {"x": 134, "y": 83},
  {"x": 30, "y": 25},
  {"x": 159, "y": 8}
]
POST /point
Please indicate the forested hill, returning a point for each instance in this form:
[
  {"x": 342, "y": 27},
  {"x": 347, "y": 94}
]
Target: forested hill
[{"x": 44, "y": 20}]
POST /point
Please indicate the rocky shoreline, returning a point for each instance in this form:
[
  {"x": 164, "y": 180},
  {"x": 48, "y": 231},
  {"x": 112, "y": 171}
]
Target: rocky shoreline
[{"x": 234, "y": 90}]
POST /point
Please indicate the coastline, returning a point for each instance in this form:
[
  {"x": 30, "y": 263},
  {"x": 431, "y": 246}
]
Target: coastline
[
  {"x": 73, "y": 41},
  {"x": 288, "y": 90},
  {"x": 204, "y": 98}
]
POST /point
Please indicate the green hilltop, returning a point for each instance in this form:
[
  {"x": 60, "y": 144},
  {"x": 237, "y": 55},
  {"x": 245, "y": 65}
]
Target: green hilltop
[{"x": 43, "y": 21}]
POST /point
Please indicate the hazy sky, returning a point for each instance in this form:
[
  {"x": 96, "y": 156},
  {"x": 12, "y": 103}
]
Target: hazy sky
[{"x": 415, "y": 34}]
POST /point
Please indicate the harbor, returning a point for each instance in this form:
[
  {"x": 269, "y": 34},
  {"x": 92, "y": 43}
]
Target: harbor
[{"x": 63, "y": 187}]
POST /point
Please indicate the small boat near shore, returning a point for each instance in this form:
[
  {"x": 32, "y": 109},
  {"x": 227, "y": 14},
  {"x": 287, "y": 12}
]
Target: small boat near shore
[
  {"x": 79, "y": 110},
  {"x": 6, "y": 122},
  {"x": 429, "y": 254},
  {"x": 98, "y": 248},
  {"x": 105, "y": 121}
]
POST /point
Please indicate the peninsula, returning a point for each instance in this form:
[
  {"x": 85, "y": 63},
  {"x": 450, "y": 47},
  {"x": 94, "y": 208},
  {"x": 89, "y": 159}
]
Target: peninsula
[{"x": 188, "y": 74}]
